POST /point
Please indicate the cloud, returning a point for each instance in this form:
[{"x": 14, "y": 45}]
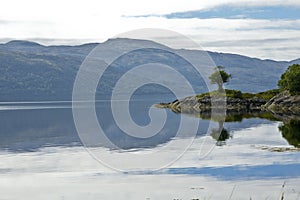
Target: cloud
[
  {"x": 4, "y": 22},
  {"x": 67, "y": 22},
  {"x": 236, "y": 12},
  {"x": 247, "y": 42}
]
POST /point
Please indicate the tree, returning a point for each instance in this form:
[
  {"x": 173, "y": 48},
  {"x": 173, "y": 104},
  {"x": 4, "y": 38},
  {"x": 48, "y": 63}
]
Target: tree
[
  {"x": 219, "y": 77},
  {"x": 290, "y": 79}
]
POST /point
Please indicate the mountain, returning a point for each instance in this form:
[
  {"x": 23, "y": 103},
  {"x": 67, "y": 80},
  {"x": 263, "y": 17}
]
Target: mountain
[
  {"x": 33, "y": 72},
  {"x": 297, "y": 61}
]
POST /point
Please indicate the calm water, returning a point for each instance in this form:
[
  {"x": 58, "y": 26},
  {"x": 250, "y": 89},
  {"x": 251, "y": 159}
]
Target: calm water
[{"x": 42, "y": 156}]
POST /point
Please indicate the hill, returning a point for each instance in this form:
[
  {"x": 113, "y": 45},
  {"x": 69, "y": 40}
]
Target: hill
[{"x": 33, "y": 72}]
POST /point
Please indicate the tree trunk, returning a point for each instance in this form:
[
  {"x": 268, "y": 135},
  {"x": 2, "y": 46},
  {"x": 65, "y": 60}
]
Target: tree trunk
[{"x": 220, "y": 85}]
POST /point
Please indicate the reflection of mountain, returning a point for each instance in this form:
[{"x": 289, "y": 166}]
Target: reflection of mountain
[
  {"x": 27, "y": 130},
  {"x": 31, "y": 129},
  {"x": 29, "y": 71}
]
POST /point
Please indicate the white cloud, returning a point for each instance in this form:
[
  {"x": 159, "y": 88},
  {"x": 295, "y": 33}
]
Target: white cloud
[{"x": 94, "y": 20}]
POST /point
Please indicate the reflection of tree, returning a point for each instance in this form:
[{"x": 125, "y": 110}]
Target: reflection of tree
[
  {"x": 220, "y": 134},
  {"x": 291, "y": 132}
]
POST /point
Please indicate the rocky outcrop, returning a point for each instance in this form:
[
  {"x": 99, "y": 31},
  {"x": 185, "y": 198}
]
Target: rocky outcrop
[
  {"x": 194, "y": 104},
  {"x": 281, "y": 104},
  {"x": 284, "y": 103}
]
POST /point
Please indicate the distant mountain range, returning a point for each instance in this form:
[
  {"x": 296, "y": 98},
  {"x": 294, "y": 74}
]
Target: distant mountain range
[{"x": 33, "y": 72}]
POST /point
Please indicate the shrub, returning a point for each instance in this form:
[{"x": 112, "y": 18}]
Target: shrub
[{"x": 290, "y": 79}]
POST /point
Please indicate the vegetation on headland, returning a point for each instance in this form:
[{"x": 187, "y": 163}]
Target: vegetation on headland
[
  {"x": 219, "y": 77},
  {"x": 290, "y": 80},
  {"x": 279, "y": 100},
  {"x": 266, "y": 95}
]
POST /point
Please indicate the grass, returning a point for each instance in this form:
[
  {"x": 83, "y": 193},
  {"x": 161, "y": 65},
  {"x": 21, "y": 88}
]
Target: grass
[{"x": 267, "y": 95}]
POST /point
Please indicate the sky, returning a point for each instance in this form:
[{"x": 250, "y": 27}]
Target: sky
[{"x": 267, "y": 30}]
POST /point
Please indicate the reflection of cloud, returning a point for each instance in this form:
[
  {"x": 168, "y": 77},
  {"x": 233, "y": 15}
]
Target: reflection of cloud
[
  {"x": 242, "y": 172},
  {"x": 86, "y": 185},
  {"x": 73, "y": 174}
]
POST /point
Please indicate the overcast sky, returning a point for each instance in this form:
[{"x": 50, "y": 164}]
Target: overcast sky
[{"x": 269, "y": 30}]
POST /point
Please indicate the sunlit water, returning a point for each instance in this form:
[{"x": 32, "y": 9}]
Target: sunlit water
[{"x": 42, "y": 157}]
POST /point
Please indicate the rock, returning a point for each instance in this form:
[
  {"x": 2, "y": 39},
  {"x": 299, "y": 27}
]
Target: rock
[
  {"x": 281, "y": 104},
  {"x": 162, "y": 105},
  {"x": 205, "y": 104},
  {"x": 284, "y": 103}
]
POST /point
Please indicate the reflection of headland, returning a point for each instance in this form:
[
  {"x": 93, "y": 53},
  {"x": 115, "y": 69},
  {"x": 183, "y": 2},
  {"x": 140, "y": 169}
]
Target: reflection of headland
[{"x": 290, "y": 128}]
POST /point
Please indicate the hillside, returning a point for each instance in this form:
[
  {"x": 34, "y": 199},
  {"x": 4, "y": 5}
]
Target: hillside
[{"x": 33, "y": 72}]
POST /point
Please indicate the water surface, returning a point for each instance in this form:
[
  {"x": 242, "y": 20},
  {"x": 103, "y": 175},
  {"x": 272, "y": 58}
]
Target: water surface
[{"x": 42, "y": 157}]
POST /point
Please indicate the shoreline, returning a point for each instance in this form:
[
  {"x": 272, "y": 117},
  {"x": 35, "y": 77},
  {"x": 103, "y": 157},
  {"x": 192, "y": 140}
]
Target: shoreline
[{"x": 281, "y": 104}]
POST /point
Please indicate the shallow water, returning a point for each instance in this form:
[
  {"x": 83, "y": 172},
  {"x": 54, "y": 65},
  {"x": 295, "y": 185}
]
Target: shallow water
[{"x": 42, "y": 157}]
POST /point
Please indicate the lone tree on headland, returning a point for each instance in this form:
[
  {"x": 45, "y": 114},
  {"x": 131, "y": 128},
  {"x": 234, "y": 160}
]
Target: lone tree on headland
[
  {"x": 219, "y": 77},
  {"x": 290, "y": 79}
]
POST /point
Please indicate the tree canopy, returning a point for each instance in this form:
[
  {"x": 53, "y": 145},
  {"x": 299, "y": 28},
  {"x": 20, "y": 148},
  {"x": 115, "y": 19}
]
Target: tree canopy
[
  {"x": 290, "y": 79},
  {"x": 219, "y": 77}
]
